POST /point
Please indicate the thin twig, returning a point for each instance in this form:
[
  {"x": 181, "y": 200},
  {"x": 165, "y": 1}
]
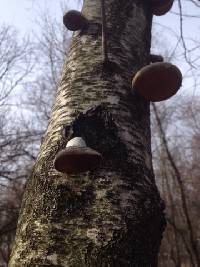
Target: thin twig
[{"x": 182, "y": 37}]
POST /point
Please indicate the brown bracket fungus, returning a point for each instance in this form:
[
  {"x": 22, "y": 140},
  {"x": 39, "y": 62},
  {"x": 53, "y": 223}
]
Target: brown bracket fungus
[
  {"x": 76, "y": 157},
  {"x": 161, "y": 7},
  {"x": 157, "y": 81},
  {"x": 74, "y": 21}
]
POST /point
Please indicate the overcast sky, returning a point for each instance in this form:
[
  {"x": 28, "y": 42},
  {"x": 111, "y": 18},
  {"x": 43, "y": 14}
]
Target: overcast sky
[{"x": 23, "y": 14}]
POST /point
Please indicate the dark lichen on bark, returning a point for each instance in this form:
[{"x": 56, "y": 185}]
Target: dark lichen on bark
[{"x": 113, "y": 215}]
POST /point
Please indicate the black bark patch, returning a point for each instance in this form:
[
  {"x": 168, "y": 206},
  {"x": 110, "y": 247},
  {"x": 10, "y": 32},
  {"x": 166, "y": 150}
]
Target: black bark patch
[
  {"x": 94, "y": 29},
  {"x": 98, "y": 129},
  {"x": 110, "y": 68}
]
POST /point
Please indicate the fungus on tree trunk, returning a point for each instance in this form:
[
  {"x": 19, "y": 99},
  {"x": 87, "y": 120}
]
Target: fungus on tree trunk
[
  {"x": 74, "y": 21},
  {"x": 157, "y": 81},
  {"x": 76, "y": 157},
  {"x": 161, "y": 7}
]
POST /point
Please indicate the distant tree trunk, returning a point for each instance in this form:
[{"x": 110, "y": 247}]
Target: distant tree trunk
[{"x": 112, "y": 216}]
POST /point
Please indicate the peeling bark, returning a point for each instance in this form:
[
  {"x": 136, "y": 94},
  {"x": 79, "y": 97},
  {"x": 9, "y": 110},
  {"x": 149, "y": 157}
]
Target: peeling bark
[{"x": 112, "y": 216}]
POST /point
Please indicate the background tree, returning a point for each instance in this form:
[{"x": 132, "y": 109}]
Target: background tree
[
  {"x": 15, "y": 68},
  {"x": 25, "y": 105},
  {"x": 177, "y": 172}
]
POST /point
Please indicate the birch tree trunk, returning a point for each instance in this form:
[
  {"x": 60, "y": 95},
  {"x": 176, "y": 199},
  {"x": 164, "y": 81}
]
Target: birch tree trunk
[{"x": 112, "y": 216}]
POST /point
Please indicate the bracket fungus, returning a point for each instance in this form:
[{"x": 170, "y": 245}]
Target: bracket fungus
[
  {"x": 74, "y": 20},
  {"x": 157, "y": 81},
  {"x": 161, "y": 7},
  {"x": 76, "y": 157}
]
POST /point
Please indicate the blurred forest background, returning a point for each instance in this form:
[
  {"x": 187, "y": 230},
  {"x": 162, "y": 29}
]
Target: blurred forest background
[{"x": 30, "y": 68}]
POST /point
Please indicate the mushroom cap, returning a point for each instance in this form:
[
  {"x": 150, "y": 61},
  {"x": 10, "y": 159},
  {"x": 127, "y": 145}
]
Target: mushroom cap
[
  {"x": 74, "y": 20},
  {"x": 76, "y": 159},
  {"x": 161, "y": 7},
  {"x": 157, "y": 81}
]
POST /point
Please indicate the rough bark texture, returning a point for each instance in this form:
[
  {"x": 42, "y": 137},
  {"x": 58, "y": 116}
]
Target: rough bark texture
[{"x": 112, "y": 216}]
